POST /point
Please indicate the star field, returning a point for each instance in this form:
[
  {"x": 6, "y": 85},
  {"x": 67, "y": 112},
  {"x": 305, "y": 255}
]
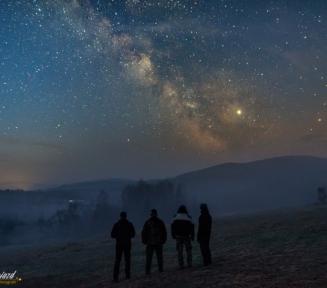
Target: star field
[{"x": 98, "y": 89}]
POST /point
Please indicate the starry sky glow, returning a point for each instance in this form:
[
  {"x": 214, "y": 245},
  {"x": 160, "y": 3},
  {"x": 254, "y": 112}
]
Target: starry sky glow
[{"x": 129, "y": 88}]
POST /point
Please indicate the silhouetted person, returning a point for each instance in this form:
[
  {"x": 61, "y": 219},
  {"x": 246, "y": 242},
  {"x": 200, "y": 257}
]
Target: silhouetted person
[
  {"x": 204, "y": 233},
  {"x": 123, "y": 231},
  {"x": 154, "y": 235},
  {"x": 182, "y": 229}
]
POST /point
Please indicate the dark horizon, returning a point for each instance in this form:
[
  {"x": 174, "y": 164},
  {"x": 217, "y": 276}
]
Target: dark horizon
[{"x": 118, "y": 178}]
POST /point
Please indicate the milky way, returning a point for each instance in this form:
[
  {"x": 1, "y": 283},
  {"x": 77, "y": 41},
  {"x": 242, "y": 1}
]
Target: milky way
[{"x": 100, "y": 89}]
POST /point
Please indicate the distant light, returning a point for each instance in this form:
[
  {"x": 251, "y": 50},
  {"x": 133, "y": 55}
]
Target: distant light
[{"x": 239, "y": 112}]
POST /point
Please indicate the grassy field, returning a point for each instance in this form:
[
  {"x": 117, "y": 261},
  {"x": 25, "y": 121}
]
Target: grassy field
[{"x": 285, "y": 248}]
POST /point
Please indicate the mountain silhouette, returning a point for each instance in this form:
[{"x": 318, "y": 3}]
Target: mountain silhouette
[{"x": 259, "y": 185}]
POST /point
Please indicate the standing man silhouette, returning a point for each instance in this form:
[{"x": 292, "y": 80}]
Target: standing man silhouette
[
  {"x": 182, "y": 229},
  {"x": 123, "y": 231},
  {"x": 204, "y": 233},
  {"x": 154, "y": 235}
]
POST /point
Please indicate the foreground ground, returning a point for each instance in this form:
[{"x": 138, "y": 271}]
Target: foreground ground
[{"x": 282, "y": 249}]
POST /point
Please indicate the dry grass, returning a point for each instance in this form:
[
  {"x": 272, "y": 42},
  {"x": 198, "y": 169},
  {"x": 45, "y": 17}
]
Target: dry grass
[{"x": 283, "y": 249}]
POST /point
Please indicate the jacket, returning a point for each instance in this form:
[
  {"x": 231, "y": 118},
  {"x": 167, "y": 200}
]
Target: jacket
[
  {"x": 182, "y": 226},
  {"x": 123, "y": 231},
  {"x": 154, "y": 232},
  {"x": 204, "y": 230}
]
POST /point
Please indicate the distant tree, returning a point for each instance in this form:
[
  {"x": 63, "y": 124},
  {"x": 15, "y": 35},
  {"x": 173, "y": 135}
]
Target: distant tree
[
  {"x": 139, "y": 198},
  {"x": 41, "y": 223},
  {"x": 7, "y": 229},
  {"x": 179, "y": 199},
  {"x": 102, "y": 201},
  {"x": 102, "y": 215},
  {"x": 136, "y": 200},
  {"x": 66, "y": 218},
  {"x": 73, "y": 212},
  {"x": 322, "y": 195}
]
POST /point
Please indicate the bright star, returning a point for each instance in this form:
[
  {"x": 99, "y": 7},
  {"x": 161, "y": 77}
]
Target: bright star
[{"x": 239, "y": 112}]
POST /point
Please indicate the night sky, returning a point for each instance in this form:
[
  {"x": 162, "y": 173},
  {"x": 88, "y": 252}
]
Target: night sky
[{"x": 131, "y": 89}]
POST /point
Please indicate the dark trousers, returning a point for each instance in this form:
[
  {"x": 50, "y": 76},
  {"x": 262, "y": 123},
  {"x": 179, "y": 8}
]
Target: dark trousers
[
  {"x": 149, "y": 253},
  {"x": 205, "y": 251},
  {"x": 180, "y": 244},
  {"x": 120, "y": 250}
]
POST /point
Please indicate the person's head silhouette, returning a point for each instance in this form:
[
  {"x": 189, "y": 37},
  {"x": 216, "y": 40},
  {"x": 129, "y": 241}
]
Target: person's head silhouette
[
  {"x": 182, "y": 209},
  {"x": 204, "y": 208},
  {"x": 123, "y": 215},
  {"x": 154, "y": 213}
]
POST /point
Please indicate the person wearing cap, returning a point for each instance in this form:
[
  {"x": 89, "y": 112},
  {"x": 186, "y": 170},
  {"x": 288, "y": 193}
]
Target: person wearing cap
[
  {"x": 154, "y": 236},
  {"x": 204, "y": 233},
  {"x": 123, "y": 231},
  {"x": 182, "y": 230}
]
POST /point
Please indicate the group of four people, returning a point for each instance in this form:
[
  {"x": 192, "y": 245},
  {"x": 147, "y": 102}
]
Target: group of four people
[{"x": 154, "y": 236}]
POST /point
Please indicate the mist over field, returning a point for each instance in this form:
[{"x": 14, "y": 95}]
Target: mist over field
[{"x": 82, "y": 210}]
